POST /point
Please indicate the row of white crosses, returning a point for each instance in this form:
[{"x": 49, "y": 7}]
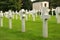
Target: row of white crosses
[
  {"x": 52, "y": 11},
  {"x": 8, "y": 15},
  {"x": 32, "y": 12},
  {"x": 22, "y": 15},
  {"x": 44, "y": 16}
]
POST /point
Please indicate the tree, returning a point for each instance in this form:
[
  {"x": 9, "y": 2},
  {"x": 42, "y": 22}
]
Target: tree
[
  {"x": 10, "y": 4},
  {"x": 27, "y": 4},
  {"x": 18, "y": 4},
  {"x": 15, "y": 4}
]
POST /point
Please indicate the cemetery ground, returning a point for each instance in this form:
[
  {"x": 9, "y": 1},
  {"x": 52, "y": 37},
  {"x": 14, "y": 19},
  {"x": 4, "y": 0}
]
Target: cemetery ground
[{"x": 33, "y": 30}]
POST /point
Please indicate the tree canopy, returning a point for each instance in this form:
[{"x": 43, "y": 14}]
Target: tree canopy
[
  {"x": 10, "y": 4},
  {"x": 25, "y": 4}
]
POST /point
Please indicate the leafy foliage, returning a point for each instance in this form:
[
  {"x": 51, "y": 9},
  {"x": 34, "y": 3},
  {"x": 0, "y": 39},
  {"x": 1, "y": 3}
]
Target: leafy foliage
[
  {"x": 10, "y": 4},
  {"x": 25, "y": 4}
]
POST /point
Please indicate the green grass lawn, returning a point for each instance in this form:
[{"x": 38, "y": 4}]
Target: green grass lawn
[{"x": 33, "y": 30}]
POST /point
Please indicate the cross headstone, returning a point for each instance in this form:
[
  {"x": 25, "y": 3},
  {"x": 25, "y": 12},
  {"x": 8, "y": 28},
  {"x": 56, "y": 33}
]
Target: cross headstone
[
  {"x": 23, "y": 20},
  {"x": 1, "y": 18},
  {"x": 10, "y": 19},
  {"x": 52, "y": 11},
  {"x": 57, "y": 11},
  {"x": 45, "y": 17}
]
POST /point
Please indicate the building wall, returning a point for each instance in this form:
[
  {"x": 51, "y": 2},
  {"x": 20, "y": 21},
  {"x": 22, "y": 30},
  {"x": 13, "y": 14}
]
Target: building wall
[{"x": 39, "y": 5}]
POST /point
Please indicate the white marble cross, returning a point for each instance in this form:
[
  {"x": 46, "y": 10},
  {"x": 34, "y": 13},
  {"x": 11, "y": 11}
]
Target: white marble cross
[
  {"x": 45, "y": 17},
  {"x": 1, "y": 18},
  {"x": 10, "y": 19},
  {"x": 57, "y": 11},
  {"x": 23, "y": 19}
]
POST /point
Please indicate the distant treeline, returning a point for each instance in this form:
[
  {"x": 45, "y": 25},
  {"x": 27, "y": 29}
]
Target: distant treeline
[
  {"x": 27, "y": 4},
  {"x": 5, "y": 5}
]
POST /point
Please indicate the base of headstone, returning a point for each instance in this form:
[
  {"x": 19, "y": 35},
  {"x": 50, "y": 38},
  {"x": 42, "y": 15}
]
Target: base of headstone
[
  {"x": 10, "y": 23},
  {"x": 45, "y": 29},
  {"x": 23, "y": 25}
]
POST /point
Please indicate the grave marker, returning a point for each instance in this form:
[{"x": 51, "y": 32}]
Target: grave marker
[
  {"x": 45, "y": 17},
  {"x": 52, "y": 11},
  {"x": 57, "y": 11},
  {"x": 10, "y": 19},
  {"x": 1, "y": 18},
  {"x": 23, "y": 20}
]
